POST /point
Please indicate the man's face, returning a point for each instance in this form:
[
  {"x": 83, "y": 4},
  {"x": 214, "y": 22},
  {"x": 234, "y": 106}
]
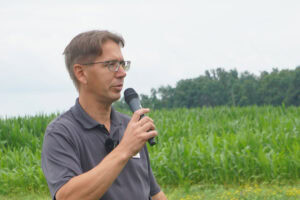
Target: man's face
[{"x": 104, "y": 84}]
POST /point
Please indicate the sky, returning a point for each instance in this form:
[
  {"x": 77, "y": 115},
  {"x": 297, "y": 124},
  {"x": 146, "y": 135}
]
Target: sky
[{"x": 166, "y": 41}]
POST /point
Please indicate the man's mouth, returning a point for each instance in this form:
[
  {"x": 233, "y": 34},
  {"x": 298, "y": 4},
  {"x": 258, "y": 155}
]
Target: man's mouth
[{"x": 118, "y": 87}]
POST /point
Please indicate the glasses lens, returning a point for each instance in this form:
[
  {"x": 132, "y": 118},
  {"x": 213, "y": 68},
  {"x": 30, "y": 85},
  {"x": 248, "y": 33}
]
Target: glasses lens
[
  {"x": 126, "y": 65},
  {"x": 114, "y": 66}
]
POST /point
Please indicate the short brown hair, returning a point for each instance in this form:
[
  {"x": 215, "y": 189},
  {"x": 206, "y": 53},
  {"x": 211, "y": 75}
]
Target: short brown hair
[{"x": 85, "y": 47}]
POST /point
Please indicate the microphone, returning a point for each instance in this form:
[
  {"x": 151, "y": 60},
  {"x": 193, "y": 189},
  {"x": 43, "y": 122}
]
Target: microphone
[{"x": 132, "y": 99}]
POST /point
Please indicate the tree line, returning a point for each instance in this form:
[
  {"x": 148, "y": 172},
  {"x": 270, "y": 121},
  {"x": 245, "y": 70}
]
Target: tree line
[{"x": 219, "y": 87}]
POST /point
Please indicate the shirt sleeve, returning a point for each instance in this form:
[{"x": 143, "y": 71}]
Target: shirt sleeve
[
  {"x": 154, "y": 187},
  {"x": 60, "y": 162}
]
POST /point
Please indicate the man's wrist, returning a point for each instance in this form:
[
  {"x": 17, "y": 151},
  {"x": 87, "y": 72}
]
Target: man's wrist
[{"x": 122, "y": 153}]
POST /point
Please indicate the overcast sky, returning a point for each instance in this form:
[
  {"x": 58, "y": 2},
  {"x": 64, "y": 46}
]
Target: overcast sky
[{"x": 165, "y": 40}]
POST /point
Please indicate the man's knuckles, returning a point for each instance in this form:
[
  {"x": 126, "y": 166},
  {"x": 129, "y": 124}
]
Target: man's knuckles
[{"x": 141, "y": 111}]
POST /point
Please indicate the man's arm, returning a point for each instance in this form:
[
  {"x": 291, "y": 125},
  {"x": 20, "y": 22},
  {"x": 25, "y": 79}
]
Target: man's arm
[
  {"x": 159, "y": 196},
  {"x": 94, "y": 183}
]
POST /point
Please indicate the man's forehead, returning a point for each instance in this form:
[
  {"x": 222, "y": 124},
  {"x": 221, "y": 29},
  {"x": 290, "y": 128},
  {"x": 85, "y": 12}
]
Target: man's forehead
[
  {"x": 111, "y": 50},
  {"x": 109, "y": 41}
]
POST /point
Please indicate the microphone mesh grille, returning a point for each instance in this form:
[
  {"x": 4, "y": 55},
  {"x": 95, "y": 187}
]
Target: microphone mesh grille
[{"x": 129, "y": 94}]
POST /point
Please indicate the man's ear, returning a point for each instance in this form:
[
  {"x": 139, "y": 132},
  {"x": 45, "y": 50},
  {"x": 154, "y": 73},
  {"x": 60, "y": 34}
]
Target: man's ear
[{"x": 80, "y": 73}]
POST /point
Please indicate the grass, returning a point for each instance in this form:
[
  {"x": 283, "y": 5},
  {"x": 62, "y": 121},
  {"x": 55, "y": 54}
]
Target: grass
[
  {"x": 245, "y": 192},
  {"x": 207, "y": 192}
]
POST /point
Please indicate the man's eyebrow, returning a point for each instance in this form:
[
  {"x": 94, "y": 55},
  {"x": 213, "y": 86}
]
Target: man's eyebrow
[
  {"x": 115, "y": 60},
  {"x": 109, "y": 61}
]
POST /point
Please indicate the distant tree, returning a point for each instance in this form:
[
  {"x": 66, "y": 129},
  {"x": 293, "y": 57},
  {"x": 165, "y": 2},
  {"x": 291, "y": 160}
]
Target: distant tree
[
  {"x": 248, "y": 85},
  {"x": 273, "y": 87},
  {"x": 220, "y": 87},
  {"x": 293, "y": 93}
]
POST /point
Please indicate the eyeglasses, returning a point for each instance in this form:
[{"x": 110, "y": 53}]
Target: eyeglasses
[
  {"x": 113, "y": 65},
  {"x": 110, "y": 144}
]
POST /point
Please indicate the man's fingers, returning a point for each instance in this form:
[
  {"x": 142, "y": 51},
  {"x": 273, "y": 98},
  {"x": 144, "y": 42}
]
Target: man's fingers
[
  {"x": 137, "y": 114},
  {"x": 145, "y": 120},
  {"x": 150, "y": 134},
  {"x": 148, "y": 126}
]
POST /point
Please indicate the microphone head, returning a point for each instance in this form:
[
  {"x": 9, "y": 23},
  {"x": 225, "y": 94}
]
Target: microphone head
[
  {"x": 130, "y": 94},
  {"x": 133, "y": 101}
]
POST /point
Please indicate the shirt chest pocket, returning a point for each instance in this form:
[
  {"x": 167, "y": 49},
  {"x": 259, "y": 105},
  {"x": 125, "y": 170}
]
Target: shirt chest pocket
[{"x": 139, "y": 167}]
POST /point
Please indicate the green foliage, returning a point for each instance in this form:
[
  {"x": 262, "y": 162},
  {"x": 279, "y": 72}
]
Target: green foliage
[
  {"x": 25, "y": 131},
  {"x": 222, "y": 145},
  {"x": 20, "y": 169},
  {"x": 219, "y": 87},
  {"x": 227, "y": 145},
  {"x": 245, "y": 192},
  {"x": 20, "y": 153},
  {"x": 207, "y": 192}
]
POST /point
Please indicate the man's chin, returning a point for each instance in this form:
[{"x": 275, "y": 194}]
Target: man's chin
[
  {"x": 116, "y": 97},
  {"x": 115, "y": 100}
]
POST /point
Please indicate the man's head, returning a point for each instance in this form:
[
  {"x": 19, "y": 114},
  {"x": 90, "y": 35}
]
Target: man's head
[{"x": 86, "y": 47}]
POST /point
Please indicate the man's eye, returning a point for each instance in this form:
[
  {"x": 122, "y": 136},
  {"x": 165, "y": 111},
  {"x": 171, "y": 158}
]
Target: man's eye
[{"x": 111, "y": 63}]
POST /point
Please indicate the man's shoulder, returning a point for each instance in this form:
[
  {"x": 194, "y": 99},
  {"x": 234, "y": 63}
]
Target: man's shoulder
[{"x": 63, "y": 121}]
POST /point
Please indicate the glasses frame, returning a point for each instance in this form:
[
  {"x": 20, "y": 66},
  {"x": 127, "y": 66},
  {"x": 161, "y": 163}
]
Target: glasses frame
[{"x": 110, "y": 64}]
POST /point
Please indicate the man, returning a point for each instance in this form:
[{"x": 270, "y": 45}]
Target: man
[{"x": 81, "y": 157}]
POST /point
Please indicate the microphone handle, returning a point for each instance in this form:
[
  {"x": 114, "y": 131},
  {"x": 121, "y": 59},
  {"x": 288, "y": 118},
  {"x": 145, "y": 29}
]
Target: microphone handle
[{"x": 151, "y": 141}]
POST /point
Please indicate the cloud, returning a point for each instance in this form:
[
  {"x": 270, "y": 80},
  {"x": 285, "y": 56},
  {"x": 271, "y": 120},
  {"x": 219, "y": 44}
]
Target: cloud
[{"x": 165, "y": 40}]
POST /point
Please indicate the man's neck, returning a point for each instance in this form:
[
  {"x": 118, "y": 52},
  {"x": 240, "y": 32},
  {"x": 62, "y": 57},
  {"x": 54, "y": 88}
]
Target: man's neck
[{"x": 99, "y": 111}]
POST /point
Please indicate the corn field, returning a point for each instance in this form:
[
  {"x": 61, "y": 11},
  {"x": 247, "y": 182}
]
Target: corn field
[{"x": 221, "y": 145}]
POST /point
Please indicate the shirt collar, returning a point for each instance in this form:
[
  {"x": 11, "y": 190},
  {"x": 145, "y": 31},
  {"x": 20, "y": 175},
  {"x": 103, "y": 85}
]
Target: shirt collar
[{"x": 87, "y": 121}]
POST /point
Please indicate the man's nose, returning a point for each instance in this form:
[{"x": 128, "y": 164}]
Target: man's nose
[{"x": 121, "y": 72}]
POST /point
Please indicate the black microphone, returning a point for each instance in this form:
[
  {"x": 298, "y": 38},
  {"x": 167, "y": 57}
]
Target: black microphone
[{"x": 132, "y": 99}]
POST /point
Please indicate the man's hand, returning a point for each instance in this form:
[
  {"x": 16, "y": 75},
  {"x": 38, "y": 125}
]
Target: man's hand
[{"x": 137, "y": 132}]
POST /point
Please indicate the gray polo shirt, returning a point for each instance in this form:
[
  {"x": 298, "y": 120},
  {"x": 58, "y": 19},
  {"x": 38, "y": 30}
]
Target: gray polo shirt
[{"x": 74, "y": 144}]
